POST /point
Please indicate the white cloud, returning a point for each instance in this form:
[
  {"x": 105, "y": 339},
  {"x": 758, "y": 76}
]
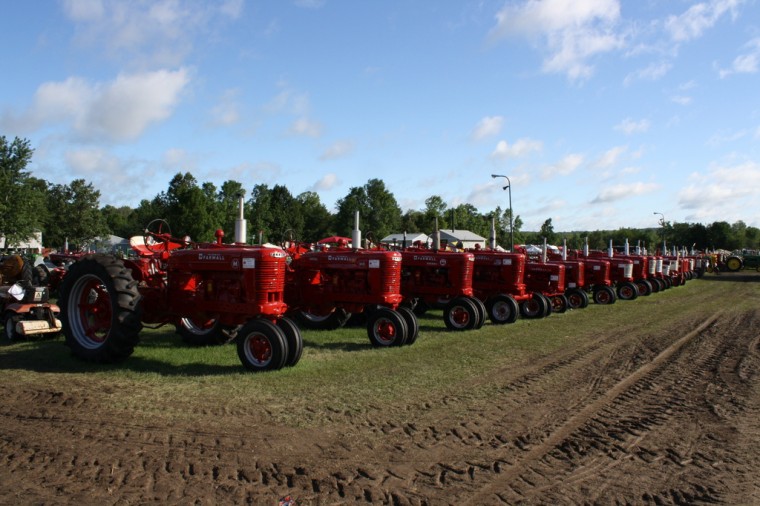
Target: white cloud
[
  {"x": 681, "y": 99},
  {"x": 487, "y": 127},
  {"x": 747, "y": 63},
  {"x": 609, "y": 158},
  {"x": 628, "y": 126},
  {"x": 564, "y": 167},
  {"x": 118, "y": 110},
  {"x": 153, "y": 33},
  {"x": 571, "y": 32},
  {"x": 226, "y": 112},
  {"x": 520, "y": 148},
  {"x": 326, "y": 182},
  {"x": 724, "y": 190},
  {"x": 624, "y": 190},
  {"x": 699, "y": 18},
  {"x": 338, "y": 149},
  {"x": 652, "y": 72},
  {"x": 305, "y": 127}
]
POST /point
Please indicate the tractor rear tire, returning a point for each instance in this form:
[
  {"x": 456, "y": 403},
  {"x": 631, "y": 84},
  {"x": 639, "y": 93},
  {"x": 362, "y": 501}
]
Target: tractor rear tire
[
  {"x": 332, "y": 321},
  {"x": 604, "y": 295},
  {"x": 294, "y": 340},
  {"x": 412, "y": 325},
  {"x": 576, "y": 298},
  {"x": 734, "y": 264},
  {"x": 502, "y": 309},
  {"x": 261, "y": 346},
  {"x": 386, "y": 327},
  {"x": 212, "y": 333},
  {"x": 460, "y": 314},
  {"x": 100, "y": 309}
]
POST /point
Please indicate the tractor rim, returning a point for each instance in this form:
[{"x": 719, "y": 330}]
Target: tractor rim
[
  {"x": 574, "y": 300},
  {"x": 502, "y": 311},
  {"x": 532, "y": 308},
  {"x": 385, "y": 331},
  {"x": 603, "y": 297},
  {"x": 204, "y": 327},
  {"x": 92, "y": 314},
  {"x": 626, "y": 292},
  {"x": 459, "y": 317},
  {"x": 258, "y": 349}
]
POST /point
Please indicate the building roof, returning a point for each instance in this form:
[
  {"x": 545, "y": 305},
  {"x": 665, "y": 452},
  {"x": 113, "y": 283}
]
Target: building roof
[
  {"x": 461, "y": 235},
  {"x": 410, "y": 238}
]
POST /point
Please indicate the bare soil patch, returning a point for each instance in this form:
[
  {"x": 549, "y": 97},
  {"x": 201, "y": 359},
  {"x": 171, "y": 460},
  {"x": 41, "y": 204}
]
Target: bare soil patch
[{"x": 650, "y": 414}]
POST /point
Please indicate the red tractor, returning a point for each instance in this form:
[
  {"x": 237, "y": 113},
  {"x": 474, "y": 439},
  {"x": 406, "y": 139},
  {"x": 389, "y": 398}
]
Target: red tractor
[
  {"x": 499, "y": 280},
  {"x": 621, "y": 273},
  {"x": 325, "y": 286},
  {"x": 442, "y": 279},
  {"x": 212, "y": 292}
]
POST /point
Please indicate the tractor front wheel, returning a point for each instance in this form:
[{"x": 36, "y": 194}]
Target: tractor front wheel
[
  {"x": 261, "y": 346},
  {"x": 386, "y": 327},
  {"x": 412, "y": 324},
  {"x": 502, "y": 309},
  {"x": 559, "y": 303},
  {"x": 535, "y": 307},
  {"x": 294, "y": 340},
  {"x": 576, "y": 298},
  {"x": 481, "y": 308},
  {"x": 627, "y": 291},
  {"x": 604, "y": 295},
  {"x": 460, "y": 314},
  {"x": 100, "y": 309}
]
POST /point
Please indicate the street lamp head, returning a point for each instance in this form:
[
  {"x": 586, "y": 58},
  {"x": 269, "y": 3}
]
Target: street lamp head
[
  {"x": 505, "y": 187},
  {"x": 497, "y": 175}
]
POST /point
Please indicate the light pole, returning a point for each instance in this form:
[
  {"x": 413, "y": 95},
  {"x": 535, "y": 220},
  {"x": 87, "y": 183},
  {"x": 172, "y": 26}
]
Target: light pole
[
  {"x": 662, "y": 223},
  {"x": 511, "y": 232}
]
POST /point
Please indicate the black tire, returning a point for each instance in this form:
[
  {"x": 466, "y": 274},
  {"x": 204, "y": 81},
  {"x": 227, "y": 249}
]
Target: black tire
[
  {"x": 549, "y": 306},
  {"x": 40, "y": 275},
  {"x": 668, "y": 282},
  {"x": 294, "y": 340},
  {"x": 644, "y": 287},
  {"x": 481, "y": 308},
  {"x": 576, "y": 298},
  {"x": 412, "y": 325},
  {"x": 559, "y": 303},
  {"x": 100, "y": 309},
  {"x": 26, "y": 277},
  {"x": 211, "y": 333},
  {"x": 502, "y": 309},
  {"x": 627, "y": 291},
  {"x": 10, "y": 319},
  {"x": 604, "y": 295},
  {"x": 332, "y": 321},
  {"x": 386, "y": 327},
  {"x": 655, "y": 284},
  {"x": 734, "y": 264},
  {"x": 535, "y": 307},
  {"x": 460, "y": 314},
  {"x": 261, "y": 346}
]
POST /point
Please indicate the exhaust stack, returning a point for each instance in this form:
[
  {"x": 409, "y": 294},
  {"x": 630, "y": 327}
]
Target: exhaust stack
[
  {"x": 543, "y": 253},
  {"x": 610, "y": 253},
  {"x": 627, "y": 248},
  {"x": 585, "y": 248},
  {"x": 493, "y": 233},
  {"x": 564, "y": 250},
  {"x": 436, "y": 237},
  {"x": 240, "y": 223},
  {"x": 356, "y": 234}
]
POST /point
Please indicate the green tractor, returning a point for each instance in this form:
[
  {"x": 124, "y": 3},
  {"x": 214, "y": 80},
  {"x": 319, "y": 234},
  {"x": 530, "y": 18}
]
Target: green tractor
[{"x": 743, "y": 260}]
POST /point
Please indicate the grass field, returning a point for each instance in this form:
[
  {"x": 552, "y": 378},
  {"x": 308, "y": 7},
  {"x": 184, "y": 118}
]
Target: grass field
[{"x": 340, "y": 371}]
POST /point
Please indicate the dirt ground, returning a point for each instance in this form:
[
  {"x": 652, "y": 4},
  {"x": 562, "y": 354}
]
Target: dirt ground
[{"x": 638, "y": 417}]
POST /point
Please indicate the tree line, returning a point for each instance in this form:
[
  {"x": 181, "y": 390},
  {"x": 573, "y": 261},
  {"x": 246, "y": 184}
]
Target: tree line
[{"x": 71, "y": 213}]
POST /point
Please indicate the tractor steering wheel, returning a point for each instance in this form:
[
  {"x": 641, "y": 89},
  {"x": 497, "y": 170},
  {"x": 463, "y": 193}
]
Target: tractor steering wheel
[{"x": 157, "y": 236}]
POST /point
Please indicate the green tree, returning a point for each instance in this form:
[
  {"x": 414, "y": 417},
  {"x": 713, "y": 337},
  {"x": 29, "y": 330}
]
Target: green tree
[
  {"x": 228, "y": 206},
  {"x": 75, "y": 215},
  {"x": 317, "y": 220},
  {"x": 117, "y": 220},
  {"x": 22, "y": 197},
  {"x": 547, "y": 232},
  {"x": 189, "y": 209}
]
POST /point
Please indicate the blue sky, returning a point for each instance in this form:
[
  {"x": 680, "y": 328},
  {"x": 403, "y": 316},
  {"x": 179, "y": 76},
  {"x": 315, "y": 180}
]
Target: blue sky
[{"x": 601, "y": 112}]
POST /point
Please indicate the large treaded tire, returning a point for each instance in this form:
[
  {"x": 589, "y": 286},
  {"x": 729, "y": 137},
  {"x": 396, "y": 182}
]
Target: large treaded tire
[
  {"x": 210, "y": 333},
  {"x": 332, "y": 321},
  {"x": 100, "y": 309}
]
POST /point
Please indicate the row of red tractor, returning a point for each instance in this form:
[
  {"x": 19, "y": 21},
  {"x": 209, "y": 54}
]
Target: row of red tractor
[{"x": 260, "y": 296}]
